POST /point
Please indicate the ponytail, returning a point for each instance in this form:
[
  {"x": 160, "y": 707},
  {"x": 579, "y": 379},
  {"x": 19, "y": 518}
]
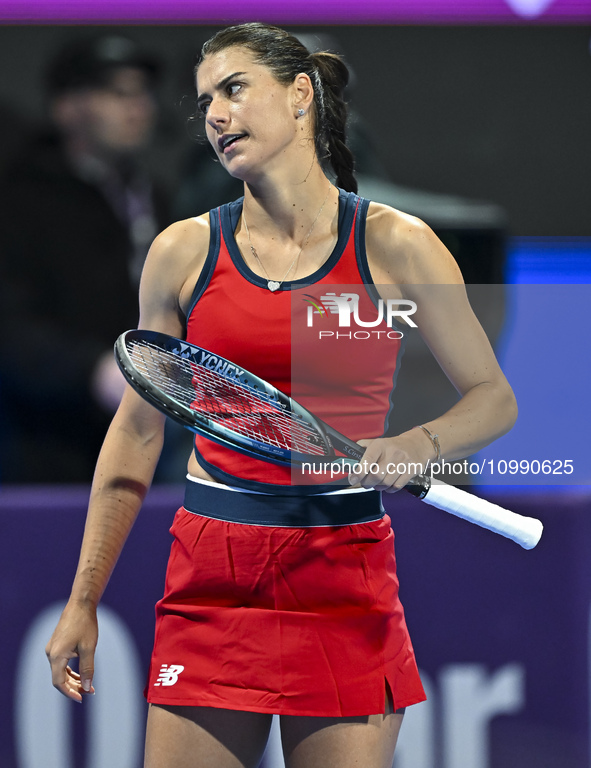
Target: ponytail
[{"x": 330, "y": 80}]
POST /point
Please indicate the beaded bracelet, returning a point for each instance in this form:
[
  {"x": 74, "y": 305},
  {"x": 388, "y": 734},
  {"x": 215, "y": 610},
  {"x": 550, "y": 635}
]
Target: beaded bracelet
[{"x": 434, "y": 440}]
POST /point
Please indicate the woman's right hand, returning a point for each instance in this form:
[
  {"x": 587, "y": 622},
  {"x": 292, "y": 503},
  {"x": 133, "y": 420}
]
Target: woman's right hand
[{"x": 75, "y": 636}]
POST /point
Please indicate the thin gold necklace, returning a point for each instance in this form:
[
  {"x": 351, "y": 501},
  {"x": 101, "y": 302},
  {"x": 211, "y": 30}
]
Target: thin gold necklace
[{"x": 274, "y": 285}]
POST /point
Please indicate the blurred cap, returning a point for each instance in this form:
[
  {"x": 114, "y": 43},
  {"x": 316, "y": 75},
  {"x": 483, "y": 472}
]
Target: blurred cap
[{"x": 91, "y": 62}]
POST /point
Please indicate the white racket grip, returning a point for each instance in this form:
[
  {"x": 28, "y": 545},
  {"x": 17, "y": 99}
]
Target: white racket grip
[{"x": 525, "y": 531}]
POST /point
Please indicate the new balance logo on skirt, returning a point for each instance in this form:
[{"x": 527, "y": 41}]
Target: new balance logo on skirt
[{"x": 169, "y": 675}]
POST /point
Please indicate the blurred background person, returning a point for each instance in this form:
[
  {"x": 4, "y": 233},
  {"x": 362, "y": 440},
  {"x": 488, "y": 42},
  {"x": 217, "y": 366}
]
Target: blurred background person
[{"x": 79, "y": 211}]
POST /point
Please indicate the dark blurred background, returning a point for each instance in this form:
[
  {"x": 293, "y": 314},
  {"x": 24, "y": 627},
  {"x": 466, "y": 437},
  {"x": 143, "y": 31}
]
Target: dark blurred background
[{"x": 501, "y": 114}]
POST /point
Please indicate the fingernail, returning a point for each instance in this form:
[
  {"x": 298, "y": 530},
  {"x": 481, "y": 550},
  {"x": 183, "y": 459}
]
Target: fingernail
[{"x": 86, "y": 685}]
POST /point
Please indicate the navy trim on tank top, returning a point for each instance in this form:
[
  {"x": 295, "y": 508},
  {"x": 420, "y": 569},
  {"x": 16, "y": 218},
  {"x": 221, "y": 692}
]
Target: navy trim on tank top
[
  {"x": 363, "y": 266},
  {"x": 361, "y": 256},
  {"x": 360, "y": 251},
  {"x": 210, "y": 260},
  {"x": 230, "y": 214}
]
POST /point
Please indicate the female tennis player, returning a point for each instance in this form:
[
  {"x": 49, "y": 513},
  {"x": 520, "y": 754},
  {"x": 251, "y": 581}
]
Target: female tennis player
[{"x": 280, "y": 598}]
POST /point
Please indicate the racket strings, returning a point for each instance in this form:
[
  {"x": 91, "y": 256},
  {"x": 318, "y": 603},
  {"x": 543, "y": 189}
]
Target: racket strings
[
  {"x": 232, "y": 404},
  {"x": 241, "y": 408}
]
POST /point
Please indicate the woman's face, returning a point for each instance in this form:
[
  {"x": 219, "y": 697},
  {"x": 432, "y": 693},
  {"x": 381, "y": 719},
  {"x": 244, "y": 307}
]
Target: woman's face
[{"x": 250, "y": 117}]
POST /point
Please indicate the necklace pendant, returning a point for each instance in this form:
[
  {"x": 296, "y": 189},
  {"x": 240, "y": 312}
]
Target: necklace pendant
[{"x": 273, "y": 285}]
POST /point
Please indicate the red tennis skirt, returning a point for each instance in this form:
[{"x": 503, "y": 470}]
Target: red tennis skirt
[{"x": 278, "y": 619}]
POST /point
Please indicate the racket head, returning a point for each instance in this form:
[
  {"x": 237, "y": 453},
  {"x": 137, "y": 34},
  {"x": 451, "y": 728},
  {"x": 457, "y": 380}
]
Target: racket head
[{"x": 217, "y": 399}]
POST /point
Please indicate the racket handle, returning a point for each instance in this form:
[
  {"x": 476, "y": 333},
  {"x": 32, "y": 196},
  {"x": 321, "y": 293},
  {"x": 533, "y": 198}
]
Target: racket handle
[
  {"x": 419, "y": 486},
  {"x": 525, "y": 531}
]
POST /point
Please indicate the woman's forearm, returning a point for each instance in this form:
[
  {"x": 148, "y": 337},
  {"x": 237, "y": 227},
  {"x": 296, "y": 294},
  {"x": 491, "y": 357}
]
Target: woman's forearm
[
  {"x": 483, "y": 414},
  {"x": 122, "y": 478}
]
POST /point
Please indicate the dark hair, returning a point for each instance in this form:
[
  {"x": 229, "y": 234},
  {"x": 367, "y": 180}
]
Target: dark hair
[{"x": 286, "y": 57}]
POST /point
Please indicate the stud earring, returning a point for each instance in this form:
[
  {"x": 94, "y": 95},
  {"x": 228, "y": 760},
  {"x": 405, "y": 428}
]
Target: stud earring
[{"x": 301, "y": 112}]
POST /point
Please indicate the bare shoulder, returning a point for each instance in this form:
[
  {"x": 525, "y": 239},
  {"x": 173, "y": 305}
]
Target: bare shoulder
[
  {"x": 402, "y": 249},
  {"x": 173, "y": 265},
  {"x": 184, "y": 242}
]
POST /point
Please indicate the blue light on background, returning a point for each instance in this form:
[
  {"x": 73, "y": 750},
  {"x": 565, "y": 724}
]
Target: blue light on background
[
  {"x": 544, "y": 352},
  {"x": 535, "y": 260}
]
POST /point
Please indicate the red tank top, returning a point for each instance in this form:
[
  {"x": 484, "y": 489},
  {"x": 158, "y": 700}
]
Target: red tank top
[{"x": 295, "y": 338}]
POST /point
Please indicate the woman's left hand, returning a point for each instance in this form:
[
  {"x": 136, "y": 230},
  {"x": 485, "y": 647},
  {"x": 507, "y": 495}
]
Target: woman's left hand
[{"x": 390, "y": 462}]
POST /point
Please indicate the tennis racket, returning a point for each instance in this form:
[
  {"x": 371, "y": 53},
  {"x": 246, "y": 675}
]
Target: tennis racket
[{"x": 221, "y": 401}]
